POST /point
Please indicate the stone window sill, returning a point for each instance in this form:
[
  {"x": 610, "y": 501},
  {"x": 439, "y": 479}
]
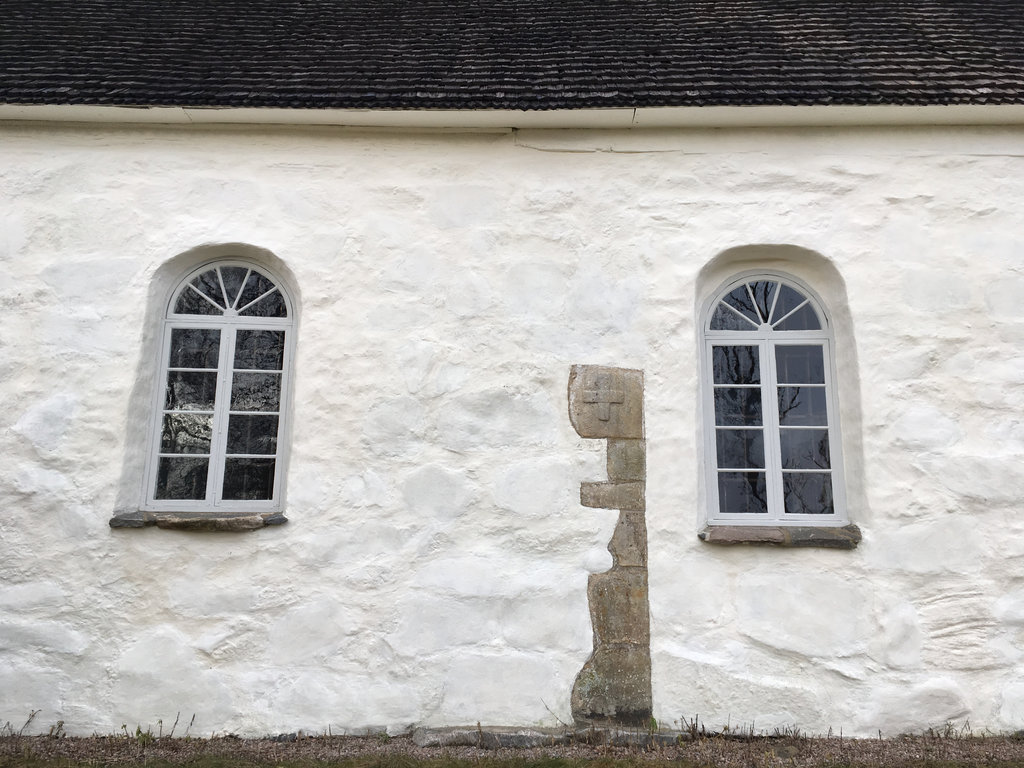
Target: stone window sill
[
  {"x": 197, "y": 521},
  {"x": 845, "y": 537}
]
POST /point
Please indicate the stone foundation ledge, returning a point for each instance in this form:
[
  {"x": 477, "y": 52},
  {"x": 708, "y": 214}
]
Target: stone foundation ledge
[
  {"x": 185, "y": 521},
  {"x": 507, "y": 737}
]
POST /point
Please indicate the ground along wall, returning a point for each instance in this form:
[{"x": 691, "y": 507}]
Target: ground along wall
[{"x": 434, "y": 570}]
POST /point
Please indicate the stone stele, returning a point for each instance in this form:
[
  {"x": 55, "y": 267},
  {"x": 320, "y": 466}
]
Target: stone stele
[{"x": 614, "y": 686}]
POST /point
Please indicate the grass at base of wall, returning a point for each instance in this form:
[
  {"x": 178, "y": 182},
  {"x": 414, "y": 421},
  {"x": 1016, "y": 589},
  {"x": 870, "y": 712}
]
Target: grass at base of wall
[{"x": 787, "y": 751}]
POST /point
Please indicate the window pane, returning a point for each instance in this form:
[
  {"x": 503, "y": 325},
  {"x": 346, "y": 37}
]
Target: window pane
[
  {"x": 742, "y": 493},
  {"x": 194, "y": 348},
  {"x": 189, "y": 391},
  {"x": 740, "y": 448},
  {"x": 233, "y": 278},
  {"x": 800, "y": 364},
  {"x": 256, "y": 392},
  {"x": 181, "y": 478},
  {"x": 259, "y": 350},
  {"x": 764, "y": 292},
  {"x": 739, "y": 299},
  {"x": 186, "y": 433},
  {"x": 209, "y": 284},
  {"x": 789, "y": 299},
  {"x": 255, "y": 287},
  {"x": 725, "y": 319},
  {"x": 804, "y": 448},
  {"x": 736, "y": 365},
  {"x": 804, "y": 319},
  {"x": 271, "y": 305},
  {"x": 249, "y": 479},
  {"x": 808, "y": 493},
  {"x": 737, "y": 407},
  {"x": 802, "y": 407},
  {"x": 252, "y": 434},
  {"x": 191, "y": 303}
]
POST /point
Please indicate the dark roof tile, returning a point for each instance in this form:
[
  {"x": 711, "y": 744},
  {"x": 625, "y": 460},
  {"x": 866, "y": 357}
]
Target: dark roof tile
[{"x": 510, "y": 54}]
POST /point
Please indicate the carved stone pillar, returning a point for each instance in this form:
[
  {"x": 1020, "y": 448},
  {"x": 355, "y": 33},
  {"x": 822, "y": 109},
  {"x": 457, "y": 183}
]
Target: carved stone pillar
[{"x": 614, "y": 685}]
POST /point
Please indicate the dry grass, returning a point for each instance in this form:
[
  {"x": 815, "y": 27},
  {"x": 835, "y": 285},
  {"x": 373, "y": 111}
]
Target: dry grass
[{"x": 933, "y": 750}]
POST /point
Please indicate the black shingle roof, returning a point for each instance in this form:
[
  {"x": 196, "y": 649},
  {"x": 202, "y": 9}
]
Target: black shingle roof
[{"x": 510, "y": 54}]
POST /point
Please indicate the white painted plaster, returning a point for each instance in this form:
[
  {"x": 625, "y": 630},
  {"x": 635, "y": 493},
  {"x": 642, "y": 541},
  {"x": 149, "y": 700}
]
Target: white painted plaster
[{"x": 435, "y": 567}]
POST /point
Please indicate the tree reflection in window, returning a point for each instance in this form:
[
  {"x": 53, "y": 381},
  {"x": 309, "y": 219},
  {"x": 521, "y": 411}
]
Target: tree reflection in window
[
  {"x": 225, "y": 365},
  {"x": 772, "y": 442}
]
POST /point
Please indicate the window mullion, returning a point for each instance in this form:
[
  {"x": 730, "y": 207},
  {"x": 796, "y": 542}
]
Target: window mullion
[
  {"x": 770, "y": 416},
  {"x": 222, "y": 407}
]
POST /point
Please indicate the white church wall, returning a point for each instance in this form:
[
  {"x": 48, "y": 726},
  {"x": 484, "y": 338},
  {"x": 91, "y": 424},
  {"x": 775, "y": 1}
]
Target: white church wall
[{"x": 435, "y": 564}]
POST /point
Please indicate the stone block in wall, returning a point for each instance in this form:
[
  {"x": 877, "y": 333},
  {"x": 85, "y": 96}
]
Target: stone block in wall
[
  {"x": 615, "y": 686},
  {"x": 613, "y": 495},
  {"x": 627, "y": 460},
  {"x": 606, "y": 402},
  {"x": 618, "y": 606}
]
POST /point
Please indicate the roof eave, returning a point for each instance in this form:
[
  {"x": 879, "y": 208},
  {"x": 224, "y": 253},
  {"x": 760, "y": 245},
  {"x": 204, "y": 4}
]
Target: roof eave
[{"x": 501, "y": 119}]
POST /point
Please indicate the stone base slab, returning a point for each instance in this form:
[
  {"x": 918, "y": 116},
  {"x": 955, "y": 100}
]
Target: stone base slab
[{"x": 504, "y": 737}]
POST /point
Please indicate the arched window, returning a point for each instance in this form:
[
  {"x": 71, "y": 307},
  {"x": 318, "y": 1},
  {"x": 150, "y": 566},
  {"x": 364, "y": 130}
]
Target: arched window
[
  {"x": 224, "y": 379},
  {"x": 771, "y": 418}
]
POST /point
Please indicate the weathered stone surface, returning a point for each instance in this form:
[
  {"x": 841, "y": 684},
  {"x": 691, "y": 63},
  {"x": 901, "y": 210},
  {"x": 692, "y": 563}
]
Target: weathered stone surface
[
  {"x": 629, "y": 542},
  {"x": 614, "y": 686},
  {"x": 613, "y": 495},
  {"x": 205, "y": 523},
  {"x": 129, "y": 520},
  {"x": 635, "y": 737},
  {"x": 489, "y": 737},
  {"x": 606, "y": 402},
  {"x": 845, "y": 537},
  {"x": 618, "y": 606},
  {"x": 195, "y": 522},
  {"x": 627, "y": 460},
  {"x": 502, "y": 737}
]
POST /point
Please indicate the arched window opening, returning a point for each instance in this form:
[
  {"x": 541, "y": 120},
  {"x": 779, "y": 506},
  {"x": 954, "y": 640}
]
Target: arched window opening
[
  {"x": 772, "y": 434},
  {"x": 224, "y": 374}
]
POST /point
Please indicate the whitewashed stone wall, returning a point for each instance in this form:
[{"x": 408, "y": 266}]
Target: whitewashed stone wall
[{"x": 435, "y": 566}]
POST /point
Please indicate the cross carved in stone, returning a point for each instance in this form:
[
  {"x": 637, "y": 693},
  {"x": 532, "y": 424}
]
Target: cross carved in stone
[{"x": 602, "y": 394}]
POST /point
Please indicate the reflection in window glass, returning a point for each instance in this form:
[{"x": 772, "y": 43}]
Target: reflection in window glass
[
  {"x": 259, "y": 350},
  {"x": 736, "y": 365},
  {"x": 769, "y": 387},
  {"x": 764, "y": 296},
  {"x": 740, "y": 448},
  {"x": 190, "y": 391},
  {"x": 223, "y": 381},
  {"x": 255, "y": 391},
  {"x": 233, "y": 279},
  {"x": 804, "y": 448},
  {"x": 726, "y": 319},
  {"x": 802, "y": 407},
  {"x": 252, "y": 434},
  {"x": 737, "y": 407},
  {"x": 800, "y": 364},
  {"x": 194, "y": 348},
  {"x": 804, "y": 319},
  {"x": 186, "y": 433},
  {"x": 181, "y": 478},
  {"x": 742, "y": 493},
  {"x": 808, "y": 493},
  {"x": 248, "y": 479}
]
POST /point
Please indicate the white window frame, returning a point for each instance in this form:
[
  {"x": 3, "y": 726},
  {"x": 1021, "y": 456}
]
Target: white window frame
[
  {"x": 767, "y": 339},
  {"x": 229, "y": 324}
]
